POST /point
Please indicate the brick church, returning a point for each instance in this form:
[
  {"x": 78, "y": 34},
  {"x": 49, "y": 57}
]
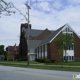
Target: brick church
[{"x": 41, "y": 43}]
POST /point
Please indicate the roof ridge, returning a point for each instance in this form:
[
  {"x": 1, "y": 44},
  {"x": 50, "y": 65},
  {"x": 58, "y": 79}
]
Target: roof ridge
[
  {"x": 37, "y": 29},
  {"x": 60, "y": 27},
  {"x": 50, "y": 36}
]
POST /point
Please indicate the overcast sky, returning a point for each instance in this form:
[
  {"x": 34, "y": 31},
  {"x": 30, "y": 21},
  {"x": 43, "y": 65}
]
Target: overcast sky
[{"x": 51, "y": 14}]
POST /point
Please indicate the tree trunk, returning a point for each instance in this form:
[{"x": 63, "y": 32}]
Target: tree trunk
[{"x": 65, "y": 56}]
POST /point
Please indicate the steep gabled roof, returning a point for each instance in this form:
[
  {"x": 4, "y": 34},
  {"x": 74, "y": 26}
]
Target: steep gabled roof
[
  {"x": 35, "y": 32},
  {"x": 34, "y": 43},
  {"x": 57, "y": 32},
  {"x": 48, "y": 38},
  {"x": 53, "y": 35}
]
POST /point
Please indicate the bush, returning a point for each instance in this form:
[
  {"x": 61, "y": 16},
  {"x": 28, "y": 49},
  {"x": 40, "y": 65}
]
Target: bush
[
  {"x": 47, "y": 61},
  {"x": 44, "y": 60},
  {"x": 53, "y": 61},
  {"x": 17, "y": 56},
  {"x": 40, "y": 60},
  {"x": 10, "y": 60},
  {"x": 22, "y": 59},
  {"x": 36, "y": 60}
]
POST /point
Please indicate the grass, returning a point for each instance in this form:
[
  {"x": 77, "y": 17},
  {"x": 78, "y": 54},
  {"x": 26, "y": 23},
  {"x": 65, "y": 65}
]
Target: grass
[
  {"x": 67, "y": 63},
  {"x": 37, "y": 65},
  {"x": 18, "y": 62}
]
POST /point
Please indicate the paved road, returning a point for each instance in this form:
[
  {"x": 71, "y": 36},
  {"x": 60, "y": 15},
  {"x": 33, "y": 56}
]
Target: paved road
[{"x": 17, "y": 73}]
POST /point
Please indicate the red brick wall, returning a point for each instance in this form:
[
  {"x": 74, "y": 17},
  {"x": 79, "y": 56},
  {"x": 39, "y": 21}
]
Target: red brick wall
[
  {"x": 12, "y": 53},
  {"x": 76, "y": 47},
  {"x": 43, "y": 34},
  {"x": 53, "y": 51}
]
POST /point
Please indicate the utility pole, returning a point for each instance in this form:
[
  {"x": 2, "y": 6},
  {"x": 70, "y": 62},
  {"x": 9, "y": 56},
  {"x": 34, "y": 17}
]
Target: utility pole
[{"x": 27, "y": 38}]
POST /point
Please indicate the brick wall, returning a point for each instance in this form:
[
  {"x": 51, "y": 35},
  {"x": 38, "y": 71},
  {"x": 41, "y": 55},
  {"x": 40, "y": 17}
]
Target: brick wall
[
  {"x": 53, "y": 51},
  {"x": 76, "y": 47},
  {"x": 43, "y": 34}
]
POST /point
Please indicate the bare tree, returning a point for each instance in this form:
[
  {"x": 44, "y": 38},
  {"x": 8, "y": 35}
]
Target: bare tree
[{"x": 5, "y": 8}]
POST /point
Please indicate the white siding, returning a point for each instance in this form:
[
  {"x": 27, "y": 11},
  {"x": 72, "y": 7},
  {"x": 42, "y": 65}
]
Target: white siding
[
  {"x": 39, "y": 52},
  {"x": 32, "y": 54},
  {"x": 45, "y": 51},
  {"x": 69, "y": 54},
  {"x": 32, "y": 57},
  {"x": 42, "y": 51}
]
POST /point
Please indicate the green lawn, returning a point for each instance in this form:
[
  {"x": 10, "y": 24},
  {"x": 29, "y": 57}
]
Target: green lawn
[
  {"x": 18, "y": 62},
  {"x": 67, "y": 63},
  {"x": 51, "y": 66}
]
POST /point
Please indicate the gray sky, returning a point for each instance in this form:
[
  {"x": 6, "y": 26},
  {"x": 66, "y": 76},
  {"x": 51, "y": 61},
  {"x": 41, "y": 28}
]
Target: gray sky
[{"x": 50, "y": 14}]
